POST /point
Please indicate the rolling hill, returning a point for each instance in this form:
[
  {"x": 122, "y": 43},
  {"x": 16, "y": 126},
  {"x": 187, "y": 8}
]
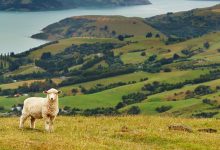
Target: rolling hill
[
  {"x": 45, "y": 5},
  {"x": 176, "y": 26},
  {"x": 188, "y": 24},
  {"x": 111, "y": 65},
  {"x": 95, "y": 26}
]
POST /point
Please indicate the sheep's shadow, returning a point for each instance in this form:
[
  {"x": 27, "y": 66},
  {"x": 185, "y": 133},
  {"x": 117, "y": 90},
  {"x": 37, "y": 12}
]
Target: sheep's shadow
[{"x": 31, "y": 130}]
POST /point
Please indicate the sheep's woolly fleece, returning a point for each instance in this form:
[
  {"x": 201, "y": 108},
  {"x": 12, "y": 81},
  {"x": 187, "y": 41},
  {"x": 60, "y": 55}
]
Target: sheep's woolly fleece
[{"x": 38, "y": 108}]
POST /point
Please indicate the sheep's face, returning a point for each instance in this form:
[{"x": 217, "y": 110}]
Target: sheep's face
[{"x": 52, "y": 94}]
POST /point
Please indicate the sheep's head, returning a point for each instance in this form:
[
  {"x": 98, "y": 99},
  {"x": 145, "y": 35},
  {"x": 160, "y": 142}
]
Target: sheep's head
[{"x": 52, "y": 94}]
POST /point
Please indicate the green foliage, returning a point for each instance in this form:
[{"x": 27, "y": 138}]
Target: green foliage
[
  {"x": 131, "y": 99},
  {"x": 121, "y": 37},
  {"x": 152, "y": 58},
  {"x": 134, "y": 110},
  {"x": 85, "y": 76},
  {"x": 13, "y": 66},
  {"x": 36, "y": 86},
  {"x": 206, "y": 45},
  {"x": 203, "y": 90},
  {"x": 102, "y": 88},
  {"x": 163, "y": 109},
  {"x": 74, "y": 55},
  {"x": 46, "y": 55},
  {"x": 149, "y": 35},
  {"x": 208, "y": 101},
  {"x": 172, "y": 40},
  {"x": 100, "y": 111},
  {"x": 2, "y": 108},
  {"x": 205, "y": 114},
  {"x": 143, "y": 54}
]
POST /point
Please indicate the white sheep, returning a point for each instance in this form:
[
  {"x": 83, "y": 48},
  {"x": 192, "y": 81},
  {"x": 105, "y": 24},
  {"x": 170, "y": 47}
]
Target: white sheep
[{"x": 38, "y": 108}]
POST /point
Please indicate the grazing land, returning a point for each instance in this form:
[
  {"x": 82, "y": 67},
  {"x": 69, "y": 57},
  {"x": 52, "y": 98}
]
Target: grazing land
[{"x": 128, "y": 132}]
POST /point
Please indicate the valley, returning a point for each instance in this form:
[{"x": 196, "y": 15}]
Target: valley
[{"x": 104, "y": 68}]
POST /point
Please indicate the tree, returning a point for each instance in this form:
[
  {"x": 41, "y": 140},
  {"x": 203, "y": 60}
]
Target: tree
[
  {"x": 206, "y": 45},
  {"x": 74, "y": 91},
  {"x": 121, "y": 37},
  {"x": 176, "y": 56},
  {"x": 120, "y": 105},
  {"x": 149, "y": 35},
  {"x": 83, "y": 90},
  {"x": 143, "y": 54},
  {"x": 205, "y": 114},
  {"x": 46, "y": 55},
  {"x": 163, "y": 109},
  {"x": 2, "y": 108},
  {"x": 203, "y": 90},
  {"x": 12, "y": 54},
  {"x": 152, "y": 58},
  {"x": 157, "y": 35},
  {"x": 113, "y": 33},
  {"x": 186, "y": 52},
  {"x": 134, "y": 110},
  {"x": 1, "y": 65},
  {"x": 13, "y": 66},
  {"x": 167, "y": 70}
]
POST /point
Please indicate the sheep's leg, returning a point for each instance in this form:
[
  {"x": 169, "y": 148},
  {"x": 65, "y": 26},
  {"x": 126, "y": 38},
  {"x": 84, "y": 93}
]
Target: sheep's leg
[
  {"x": 32, "y": 125},
  {"x": 51, "y": 124},
  {"x": 23, "y": 118},
  {"x": 47, "y": 124}
]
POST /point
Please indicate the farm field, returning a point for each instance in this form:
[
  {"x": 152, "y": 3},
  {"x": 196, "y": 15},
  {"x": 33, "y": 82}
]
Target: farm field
[{"x": 106, "y": 98}]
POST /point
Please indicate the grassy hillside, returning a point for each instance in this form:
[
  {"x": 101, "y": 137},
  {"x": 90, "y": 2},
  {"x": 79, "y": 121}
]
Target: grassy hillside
[
  {"x": 177, "y": 26},
  {"x": 128, "y": 54},
  {"x": 65, "y": 43},
  {"x": 95, "y": 26},
  {"x": 187, "y": 24},
  {"x": 39, "y": 5},
  {"x": 135, "y": 68},
  {"x": 109, "y": 98},
  {"x": 130, "y": 132}
]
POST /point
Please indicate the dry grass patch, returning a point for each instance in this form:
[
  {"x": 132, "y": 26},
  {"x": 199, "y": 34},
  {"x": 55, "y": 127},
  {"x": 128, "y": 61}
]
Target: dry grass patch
[{"x": 130, "y": 132}]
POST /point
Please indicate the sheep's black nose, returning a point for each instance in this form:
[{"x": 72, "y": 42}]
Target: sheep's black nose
[{"x": 51, "y": 99}]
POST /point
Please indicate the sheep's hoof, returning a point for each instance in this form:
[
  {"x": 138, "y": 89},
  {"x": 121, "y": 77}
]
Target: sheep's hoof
[
  {"x": 21, "y": 128},
  {"x": 49, "y": 131}
]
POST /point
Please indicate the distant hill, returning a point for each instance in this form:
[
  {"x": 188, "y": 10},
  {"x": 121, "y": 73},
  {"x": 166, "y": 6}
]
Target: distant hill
[
  {"x": 188, "y": 24},
  {"x": 177, "y": 26},
  {"x": 39, "y": 5},
  {"x": 95, "y": 26}
]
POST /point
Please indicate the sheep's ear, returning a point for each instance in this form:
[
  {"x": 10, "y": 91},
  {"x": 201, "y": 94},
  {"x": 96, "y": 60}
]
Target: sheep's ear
[
  {"x": 59, "y": 92},
  {"x": 45, "y": 92}
]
